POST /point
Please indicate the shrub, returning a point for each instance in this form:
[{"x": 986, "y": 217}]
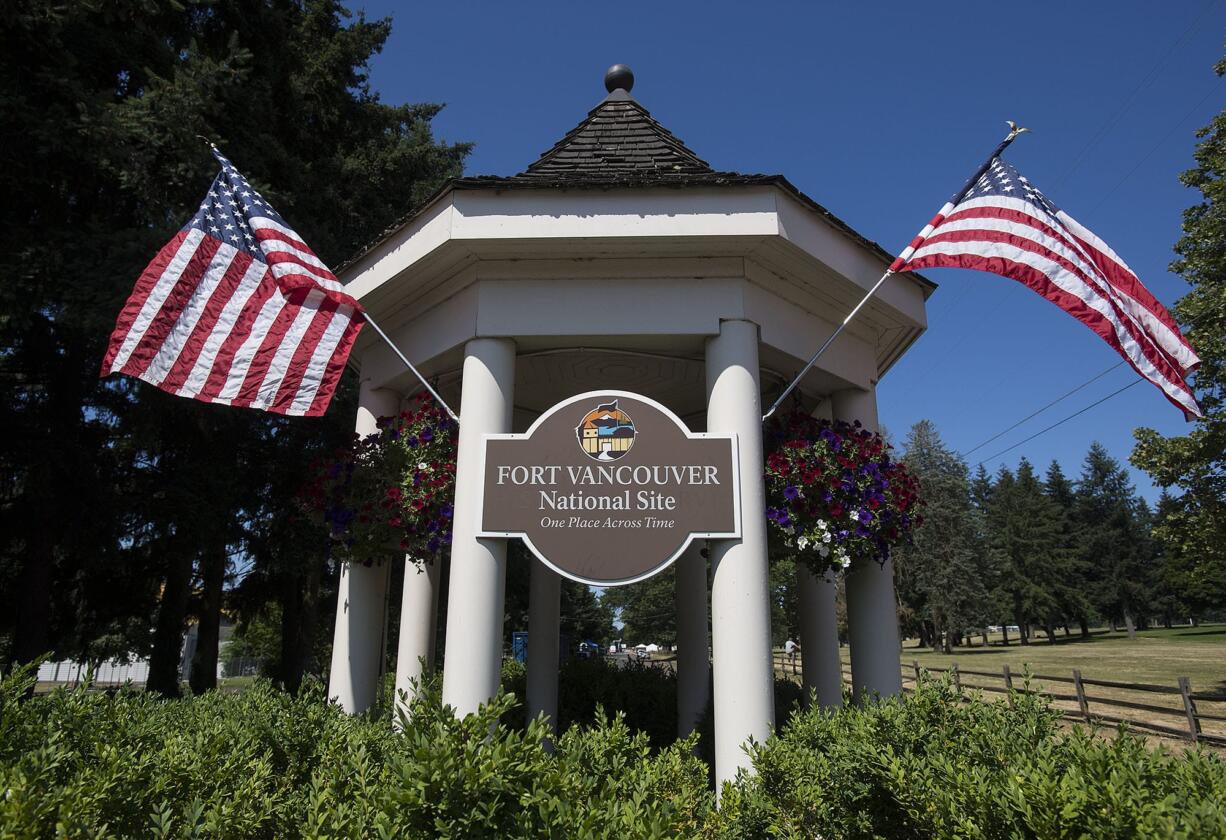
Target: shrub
[
  {"x": 644, "y": 694},
  {"x": 80, "y": 763},
  {"x": 268, "y": 764},
  {"x": 931, "y": 766}
]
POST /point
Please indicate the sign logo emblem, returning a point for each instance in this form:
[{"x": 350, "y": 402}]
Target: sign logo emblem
[{"x": 606, "y": 433}]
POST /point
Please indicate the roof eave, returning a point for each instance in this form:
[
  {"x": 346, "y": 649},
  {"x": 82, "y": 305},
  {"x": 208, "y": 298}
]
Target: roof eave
[{"x": 720, "y": 180}]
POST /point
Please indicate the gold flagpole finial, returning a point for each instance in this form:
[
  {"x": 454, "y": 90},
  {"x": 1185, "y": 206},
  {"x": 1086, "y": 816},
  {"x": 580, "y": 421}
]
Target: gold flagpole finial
[{"x": 1014, "y": 130}]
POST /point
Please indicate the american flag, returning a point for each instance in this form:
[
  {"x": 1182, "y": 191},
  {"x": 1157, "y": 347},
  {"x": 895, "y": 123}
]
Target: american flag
[
  {"x": 1002, "y": 224},
  {"x": 236, "y": 309}
]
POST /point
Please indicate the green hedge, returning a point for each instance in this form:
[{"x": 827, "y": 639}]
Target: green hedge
[
  {"x": 265, "y": 764},
  {"x": 932, "y": 766}
]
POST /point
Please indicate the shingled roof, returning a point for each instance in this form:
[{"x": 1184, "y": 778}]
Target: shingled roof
[
  {"x": 620, "y": 144},
  {"x": 618, "y": 138}
]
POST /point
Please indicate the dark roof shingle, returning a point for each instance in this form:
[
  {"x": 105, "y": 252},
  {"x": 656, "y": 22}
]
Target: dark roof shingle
[{"x": 618, "y": 139}]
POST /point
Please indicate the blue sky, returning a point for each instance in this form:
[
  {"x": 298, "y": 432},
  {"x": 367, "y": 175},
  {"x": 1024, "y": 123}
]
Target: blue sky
[{"x": 879, "y": 111}]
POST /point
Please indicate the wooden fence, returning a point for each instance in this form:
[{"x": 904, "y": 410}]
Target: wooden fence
[{"x": 1184, "y": 718}]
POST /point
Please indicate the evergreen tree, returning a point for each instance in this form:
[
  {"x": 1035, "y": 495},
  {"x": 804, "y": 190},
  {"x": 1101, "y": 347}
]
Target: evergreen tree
[
  {"x": 1192, "y": 527},
  {"x": 584, "y": 616},
  {"x": 981, "y": 489},
  {"x": 1072, "y": 586},
  {"x": 125, "y": 507},
  {"x": 942, "y": 563},
  {"x": 1174, "y": 580},
  {"x": 647, "y": 609},
  {"x": 1113, "y": 537},
  {"x": 1026, "y": 533}
]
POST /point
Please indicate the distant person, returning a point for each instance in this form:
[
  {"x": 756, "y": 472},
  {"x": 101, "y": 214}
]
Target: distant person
[{"x": 790, "y": 648}]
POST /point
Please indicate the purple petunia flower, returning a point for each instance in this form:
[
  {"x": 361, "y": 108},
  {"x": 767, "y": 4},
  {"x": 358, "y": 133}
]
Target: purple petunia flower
[
  {"x": 790, "y": 492},
  {"x": 866, "y": 516},
  {"x": 427, "y": 435}
]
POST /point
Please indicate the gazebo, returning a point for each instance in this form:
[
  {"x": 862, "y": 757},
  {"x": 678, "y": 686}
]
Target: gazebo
[{"x": 622, "y": 260}]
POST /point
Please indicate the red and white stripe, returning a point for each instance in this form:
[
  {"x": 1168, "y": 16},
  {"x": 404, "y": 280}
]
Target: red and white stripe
[
  {"x": 208, "y": 321},
  {"x": 1071, "y": 267}
]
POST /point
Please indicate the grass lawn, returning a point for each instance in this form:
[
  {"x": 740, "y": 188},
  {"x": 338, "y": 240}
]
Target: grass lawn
[
  {"x": 1159, "y": 657},
  {"x": 1155, "y": 657}
]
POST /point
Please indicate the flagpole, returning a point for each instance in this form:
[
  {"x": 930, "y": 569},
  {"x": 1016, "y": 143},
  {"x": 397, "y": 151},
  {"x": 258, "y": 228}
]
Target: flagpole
[
  {"x": 1014, "y": 131},
  {"x": 409, "y": 365}
]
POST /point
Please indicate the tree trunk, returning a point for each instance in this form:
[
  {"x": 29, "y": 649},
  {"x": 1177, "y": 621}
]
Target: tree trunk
[
  {"x": 1023, "y": 629},
  {"x": 1195, "y": 620},
  {"x": 32, "y": 621},
  {"x": 289, "y": 670},
  {"x": 1166, "y": 619},
  {"x": 1129, "y": 625},
  {"x": 299, "y": 615},
  {"x": 1084, "y": 624},
  {"x": 168, "y": 626},
  {"x": 947, "y": 641},
  {"x": 983, "y": 631},
  {"x": 1004, "y": 632},
  {"x": 1050, "y": 629},
  {"x": 213, "y": 577},
  {"x": 1066, "y": 632}
]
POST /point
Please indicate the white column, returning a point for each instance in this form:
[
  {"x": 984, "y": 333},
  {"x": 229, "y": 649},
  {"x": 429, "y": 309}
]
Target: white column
[
  {"x": 415, "y": 649},
  {"x": 357, "y": 646},
  {"x": 544, "y": 603},
  {"x": 819, "y": 637},
  {"x": 740, "y": 599},
  {"x": 872, "y": 612},
  {"x": 477, "y": 582},
  {"x": 693, "y": 647}
]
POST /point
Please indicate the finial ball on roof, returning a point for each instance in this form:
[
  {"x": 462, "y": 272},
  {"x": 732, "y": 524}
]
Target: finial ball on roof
[{"x": 618, "y": 76}]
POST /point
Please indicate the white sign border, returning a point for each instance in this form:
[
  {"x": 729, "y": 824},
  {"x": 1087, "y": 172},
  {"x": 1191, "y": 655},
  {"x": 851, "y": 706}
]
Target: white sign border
[{"x": 587, "y": 395}]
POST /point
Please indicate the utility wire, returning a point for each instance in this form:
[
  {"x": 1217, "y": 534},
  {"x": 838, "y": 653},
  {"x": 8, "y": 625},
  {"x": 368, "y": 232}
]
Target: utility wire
[
  {"x": 1114, "y": 120},
  {"x": 1174, "y": 127},
  {"x": 1037, "y": 412},
  {"x": 1077, "y": 413},
  {"x": 1188, "y": 327}
]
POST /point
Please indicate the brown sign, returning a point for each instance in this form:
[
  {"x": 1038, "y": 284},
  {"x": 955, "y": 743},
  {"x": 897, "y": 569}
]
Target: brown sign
[{"x": 609, "y": 487}]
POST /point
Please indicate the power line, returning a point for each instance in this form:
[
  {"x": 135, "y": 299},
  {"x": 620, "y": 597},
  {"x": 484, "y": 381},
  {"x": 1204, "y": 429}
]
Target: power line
[
  {"x": 1188, "y": 327},
  {"x": 1106, "y": 128},
  {"x": 1037, "y": 412},
  {"x": 1060, "y": 422},
  {"x": 1174, "y": 127}
]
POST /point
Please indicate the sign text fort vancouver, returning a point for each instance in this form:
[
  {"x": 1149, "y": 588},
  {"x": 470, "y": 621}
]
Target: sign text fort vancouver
[
  {"x": 609, "y": 487},
  {"x": 546, "y": 478}
]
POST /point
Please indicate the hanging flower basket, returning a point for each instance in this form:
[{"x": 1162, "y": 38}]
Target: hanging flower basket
[
  {"x": 834, "y": 493},
  {"x": 392, "y": 491}
]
